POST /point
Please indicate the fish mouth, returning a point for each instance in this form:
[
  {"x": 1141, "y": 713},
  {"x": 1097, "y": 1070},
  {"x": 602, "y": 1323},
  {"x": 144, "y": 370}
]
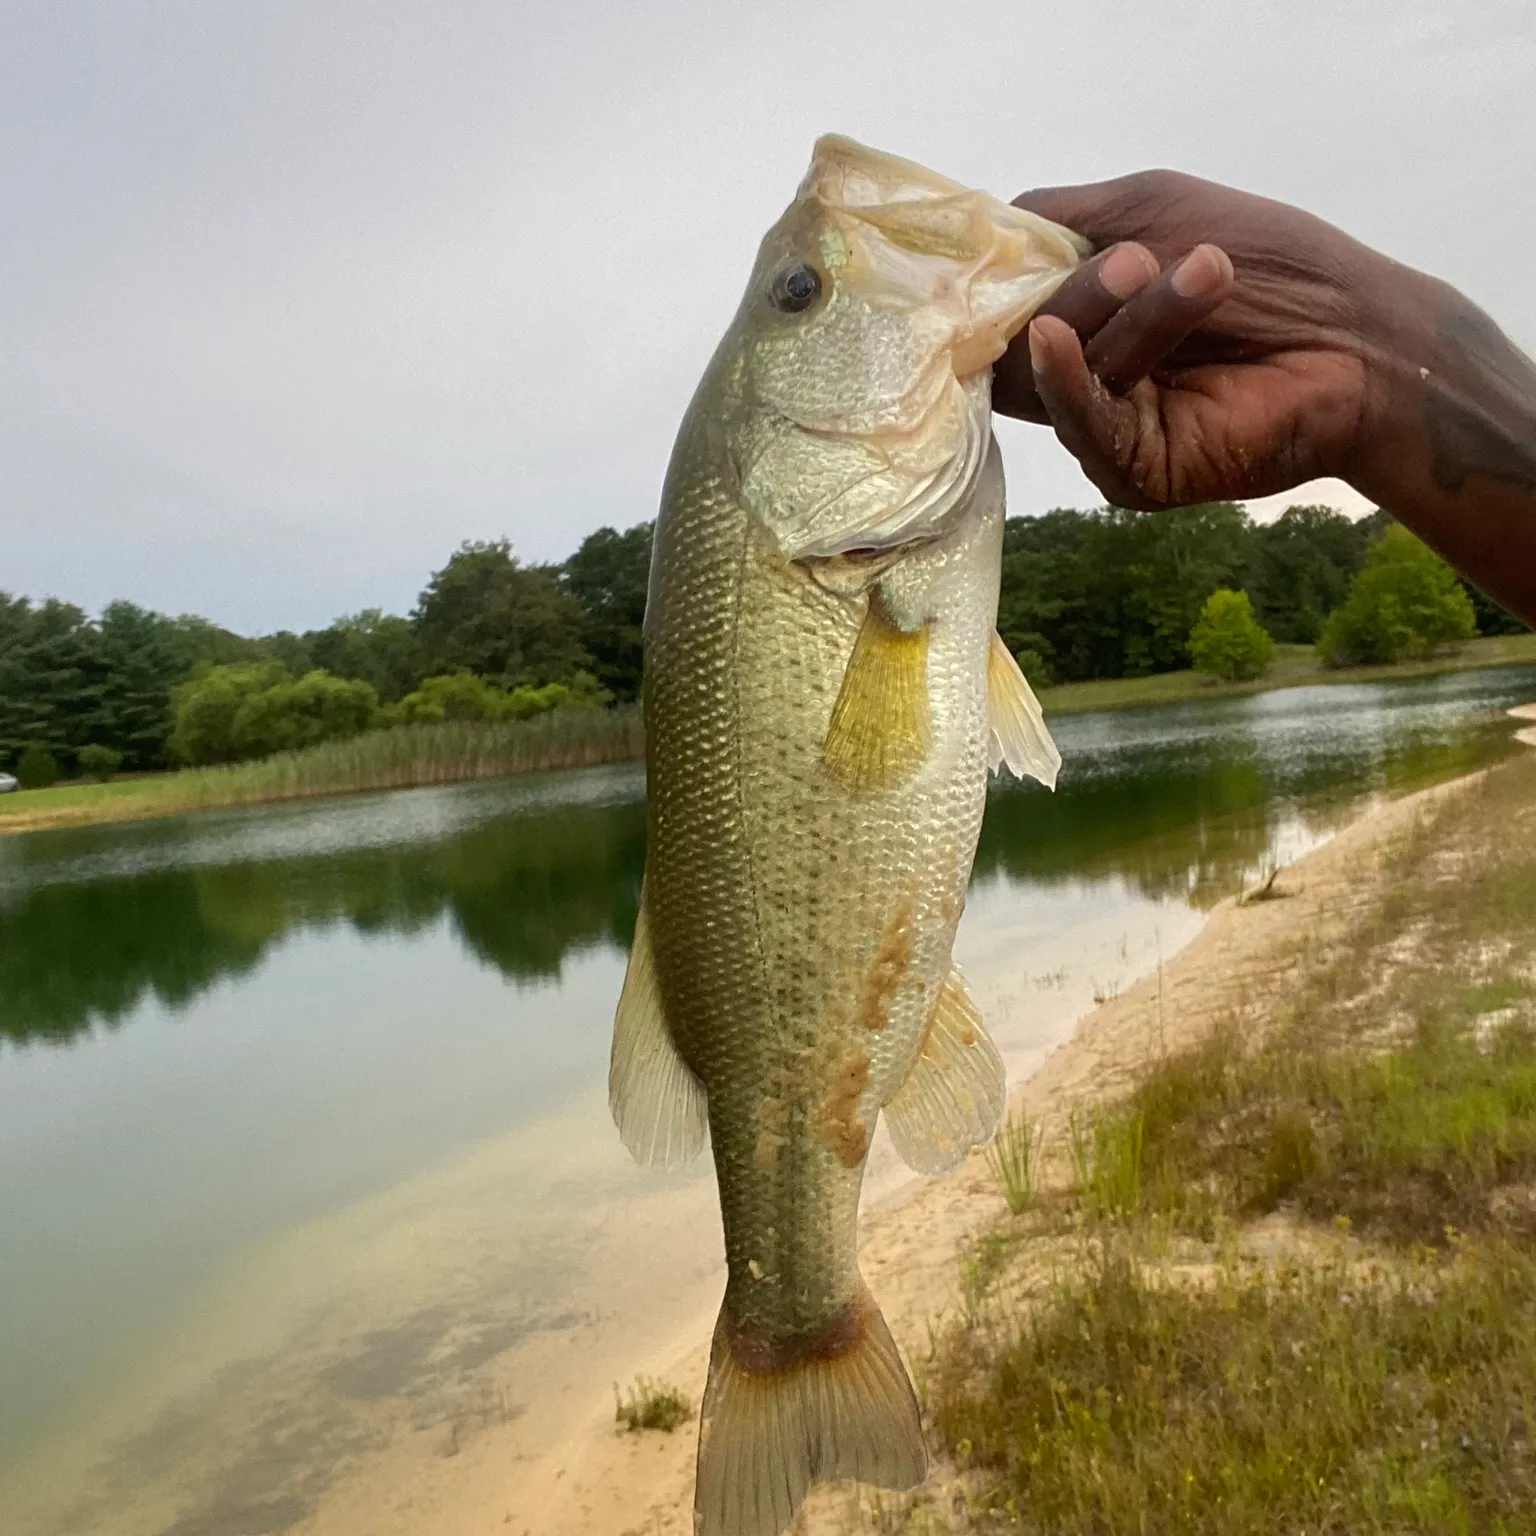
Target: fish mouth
[{"x": 914, "y": 237}]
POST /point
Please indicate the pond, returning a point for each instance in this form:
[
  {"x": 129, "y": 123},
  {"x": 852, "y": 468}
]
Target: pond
[{"x": 303, "y": 1139}]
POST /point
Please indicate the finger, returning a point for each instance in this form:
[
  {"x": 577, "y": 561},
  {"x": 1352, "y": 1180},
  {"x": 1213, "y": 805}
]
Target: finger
[
  {"x": 1147, "y": 328},
  {"x": 1076, "y": 207},
  {"x": 1094, "y": 427},
  {"x": 1086, "y": 301}
]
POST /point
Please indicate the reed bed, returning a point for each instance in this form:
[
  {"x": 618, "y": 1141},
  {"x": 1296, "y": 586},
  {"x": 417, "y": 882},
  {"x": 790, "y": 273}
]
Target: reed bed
[{"x": 408, "y": 756}]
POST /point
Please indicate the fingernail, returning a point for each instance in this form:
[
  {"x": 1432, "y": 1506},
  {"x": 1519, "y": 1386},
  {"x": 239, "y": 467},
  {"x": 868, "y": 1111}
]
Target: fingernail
[
  {"x": 1126, "y": 270},
  {"x": 1201, "y": 273},
  {"x": 1037, "y": 347}
]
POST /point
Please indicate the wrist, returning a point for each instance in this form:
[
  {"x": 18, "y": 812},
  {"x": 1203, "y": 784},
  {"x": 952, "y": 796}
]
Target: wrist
[{"x": 1398, "y": 330}]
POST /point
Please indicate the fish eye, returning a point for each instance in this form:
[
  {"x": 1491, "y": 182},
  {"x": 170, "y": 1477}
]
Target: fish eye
[{"x": 795, "y": 289}]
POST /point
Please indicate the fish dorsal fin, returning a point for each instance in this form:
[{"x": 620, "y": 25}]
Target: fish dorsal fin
[
  {"x": 1018, "y": 736},
  {"x": 954, "y": 1096},
  {"x": 657, "y": 1103},
  {"x": 881, "y": 728}
]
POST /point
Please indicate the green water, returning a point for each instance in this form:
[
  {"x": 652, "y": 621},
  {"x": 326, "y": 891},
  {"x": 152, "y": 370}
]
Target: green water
[{"x": 222, "y": 1036}]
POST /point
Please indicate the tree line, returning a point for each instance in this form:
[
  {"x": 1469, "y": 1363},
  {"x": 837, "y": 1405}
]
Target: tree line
[{"x": 1085, "y": 595}]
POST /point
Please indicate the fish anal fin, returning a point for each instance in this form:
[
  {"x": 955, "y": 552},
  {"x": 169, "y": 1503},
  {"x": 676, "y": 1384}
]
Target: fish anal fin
[
  {"x": 1018, "y": 736},
  {"x": 767, "y": 1435},
  {"x": 881, "y": 729},
  {"x": 657, "y": 1103},
  {"x": 954, "y": 1096}
]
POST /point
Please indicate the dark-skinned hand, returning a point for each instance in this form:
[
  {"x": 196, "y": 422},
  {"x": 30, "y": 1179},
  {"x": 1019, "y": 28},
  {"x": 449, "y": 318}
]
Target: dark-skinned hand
[
  {"x": 1221, "y": 346},
  {"x": 1215, "y": 348}
]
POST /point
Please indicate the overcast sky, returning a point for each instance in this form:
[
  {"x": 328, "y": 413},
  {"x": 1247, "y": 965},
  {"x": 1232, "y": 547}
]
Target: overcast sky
[{"x": 296, "y": 297}]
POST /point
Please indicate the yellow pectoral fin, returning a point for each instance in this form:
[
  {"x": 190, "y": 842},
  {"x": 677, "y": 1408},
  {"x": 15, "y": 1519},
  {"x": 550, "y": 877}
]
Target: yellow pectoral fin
[
  {"x": 881, "y": 731},
  {"x": 954, "y": 1096}
]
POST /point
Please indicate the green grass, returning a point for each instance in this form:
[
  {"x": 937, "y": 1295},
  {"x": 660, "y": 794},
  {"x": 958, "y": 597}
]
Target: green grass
[
  {"x": 1294, "y": 666},
  {"x": 651, "y": 1405},
  {"x": 1148, "y": 1364},
  {"x": 405, "y": 757},
  {"x": 1012, "y": 1157},
  {"x": 1322, "y": 1399}
]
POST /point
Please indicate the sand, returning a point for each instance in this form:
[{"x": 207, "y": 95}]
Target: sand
[
  {"x": 1525, "y": 712},
  {"x": 572, "y": 1473}
]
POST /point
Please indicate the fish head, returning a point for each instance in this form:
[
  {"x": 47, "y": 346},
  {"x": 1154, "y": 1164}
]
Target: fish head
[{"x": 861, "y": 355}]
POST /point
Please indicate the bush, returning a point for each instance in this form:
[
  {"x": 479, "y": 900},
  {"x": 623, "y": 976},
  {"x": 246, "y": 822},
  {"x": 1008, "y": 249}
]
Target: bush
[
  {"x": 99, "y": 762},
  {"x": 1227, "y": 641},
  {"x": 36, "y": 768},
  {"x": 463, "y": 696},
  {"x": 230, "y": 713},
  {"x": 1405, "y": 603}
]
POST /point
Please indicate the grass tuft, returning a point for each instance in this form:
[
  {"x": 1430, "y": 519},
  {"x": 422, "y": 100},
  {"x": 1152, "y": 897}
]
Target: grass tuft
[
  {"x": 1013, "y": 1157},
  {"x": 1106, "y": 1150},
  {"x": 651, "y": 1404}
]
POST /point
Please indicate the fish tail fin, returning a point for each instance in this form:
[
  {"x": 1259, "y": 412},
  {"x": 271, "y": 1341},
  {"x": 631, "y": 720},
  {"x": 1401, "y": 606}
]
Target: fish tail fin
[{"x": 843, "y": 1411}]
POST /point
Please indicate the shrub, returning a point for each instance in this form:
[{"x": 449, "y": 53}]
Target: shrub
[
  {"x": 36, "y": 768},
  {"x": 651, "y": 1405},
  {"x": 463, "y": 696},
  {"x": 1405, "y": 603},
  {"x": 231, "y": 713},
  {"x": 99, "y": 762},
  {"x": 1227, "y": 641}
]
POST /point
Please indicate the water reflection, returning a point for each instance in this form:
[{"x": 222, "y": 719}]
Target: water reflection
[
  {"x": 521, "y": 892},
  {"x": 1182, "y": 802}
]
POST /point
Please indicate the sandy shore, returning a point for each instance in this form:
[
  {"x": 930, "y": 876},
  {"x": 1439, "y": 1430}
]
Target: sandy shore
[
  {"x": 1525, "y": 712},
  {"x": 581, "y": 1477}
]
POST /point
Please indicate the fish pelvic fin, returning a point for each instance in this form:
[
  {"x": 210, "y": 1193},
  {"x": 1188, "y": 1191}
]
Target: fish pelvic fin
[
  {"x": 657, "y": 1103},
  {"x": 881, "y": 729},
  {"x": 954, "y": 1096},
  {"x": 1018, "y": 737},
  {"x": 766, "y": 1435}
]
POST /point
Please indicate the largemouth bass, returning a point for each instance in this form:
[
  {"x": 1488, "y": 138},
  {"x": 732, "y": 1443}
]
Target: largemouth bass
[{"x": 824, "y": 694}]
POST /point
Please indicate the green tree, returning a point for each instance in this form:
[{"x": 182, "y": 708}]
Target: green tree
[
  {"x": 143, "y": 656},
  {"x": 1406, "y": 602},
  {"x": 1301, "y": 569},
  {"x": 487, "y": 614},
  {"x": 1227, "y": 641},
  {"x": 51, "y": 677},
  {"x": 609, "y": 575},
  {"x": 378, "y": 647}
]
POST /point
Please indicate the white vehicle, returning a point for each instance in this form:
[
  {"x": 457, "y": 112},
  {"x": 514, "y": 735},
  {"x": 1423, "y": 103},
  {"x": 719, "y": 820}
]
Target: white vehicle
[{"x": 8, "y": 783}]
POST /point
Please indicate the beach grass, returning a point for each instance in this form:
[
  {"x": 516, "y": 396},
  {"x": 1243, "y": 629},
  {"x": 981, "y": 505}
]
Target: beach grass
[
  {"x": 407, "y": 756},
  {"x": 1314, "y": 1306},
  {"x": 1012, "y": 1156},
  {"x": 651, "y": 1404},
  {"x": 1293, "y": 666}
]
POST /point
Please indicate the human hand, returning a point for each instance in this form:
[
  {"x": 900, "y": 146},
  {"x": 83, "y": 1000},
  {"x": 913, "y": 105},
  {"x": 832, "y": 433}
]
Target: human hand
[{"x": 1223, "y": 346}]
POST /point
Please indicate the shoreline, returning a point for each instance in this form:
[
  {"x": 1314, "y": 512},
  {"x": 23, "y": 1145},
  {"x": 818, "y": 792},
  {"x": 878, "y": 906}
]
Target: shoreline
[
  {"x": 585, "y": 1478},
  {"x": 82, "y": 805}
]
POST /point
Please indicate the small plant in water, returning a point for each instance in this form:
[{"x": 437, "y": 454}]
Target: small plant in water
[
  {"x": 1106, "y": 1159},
  {"x": 651, "y": 1405},
  {"x": 1011, "y": 1157}
]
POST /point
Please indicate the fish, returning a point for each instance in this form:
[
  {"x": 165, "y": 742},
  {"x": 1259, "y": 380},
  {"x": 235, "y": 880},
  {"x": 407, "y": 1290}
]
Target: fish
[{"x": 824, "y": 695}]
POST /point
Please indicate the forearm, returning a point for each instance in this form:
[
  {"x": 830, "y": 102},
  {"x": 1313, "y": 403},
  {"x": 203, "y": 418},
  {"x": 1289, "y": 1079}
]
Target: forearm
[{"x": 1449, "y": 441}]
